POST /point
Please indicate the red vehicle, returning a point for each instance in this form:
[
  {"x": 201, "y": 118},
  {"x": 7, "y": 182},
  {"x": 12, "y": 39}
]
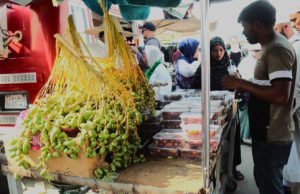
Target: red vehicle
[{"x": 27, "y": 50}]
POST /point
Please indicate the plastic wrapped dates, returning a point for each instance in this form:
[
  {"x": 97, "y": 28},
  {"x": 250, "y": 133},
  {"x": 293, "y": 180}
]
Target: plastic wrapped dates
[
  {"x": 162, "y": 152},
  {"x": 169, "y": 140},
  {"x": 171, "y": 124},
  {"x": 172, "y": 97},
  {"x": 172, "y": 115},
  {"x": 191, "y": 118},
  {"x": 171, "y": 131},
  {"x": 173, "y": 111},
  {"x": 197, "y": 144},
  {"x": 190, "y": 154},
  {"x": 193, "y": 131}
]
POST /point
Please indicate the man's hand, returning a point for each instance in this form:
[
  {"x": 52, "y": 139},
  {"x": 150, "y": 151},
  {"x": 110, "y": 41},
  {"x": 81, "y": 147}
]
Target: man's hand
[
  {"x": 230, "y": 82},
  {"x": 277, "y": 93}
]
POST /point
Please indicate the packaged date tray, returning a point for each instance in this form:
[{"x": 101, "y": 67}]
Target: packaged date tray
[
  {"x": 191, "y": 118},
  {"x": 172, "y": 97},
  {"x": 169, "y": 140},
  {"x": 162, "y": 152},
  {"x": 171, "y": 124},
  {"x": 171, "y": 131},
  {"x": 188, "y": 153},
  {"x": 197, "y": 144},
  {"x": 173, "y": 114},
  {"x": 194, "y": 131}
]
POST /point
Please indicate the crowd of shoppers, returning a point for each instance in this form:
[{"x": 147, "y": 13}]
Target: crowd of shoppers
[{"x": 266, "y": 82}]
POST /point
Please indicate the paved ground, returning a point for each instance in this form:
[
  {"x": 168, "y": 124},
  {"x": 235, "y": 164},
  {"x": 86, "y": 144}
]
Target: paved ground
[{"x": 247, "y": 186}]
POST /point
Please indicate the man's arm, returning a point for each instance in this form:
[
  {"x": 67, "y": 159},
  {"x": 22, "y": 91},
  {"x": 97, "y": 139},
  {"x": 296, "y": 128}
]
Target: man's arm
[
  {"x": 153, "y": 42},
  {"x": 279, "y": 62},
  {"x": 136, "y": 51},
  {"x": 277, "y": 93}
]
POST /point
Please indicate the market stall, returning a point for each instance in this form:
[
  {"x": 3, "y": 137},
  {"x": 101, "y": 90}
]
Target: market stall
[{"x": 161, "y": 175}]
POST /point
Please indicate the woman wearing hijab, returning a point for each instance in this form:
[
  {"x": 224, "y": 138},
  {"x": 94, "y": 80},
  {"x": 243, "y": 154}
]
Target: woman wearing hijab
[
  {"x": 187, "y": 64},
  {"x": 219, "y": 65},
  {"x": 157, "y": 72}
]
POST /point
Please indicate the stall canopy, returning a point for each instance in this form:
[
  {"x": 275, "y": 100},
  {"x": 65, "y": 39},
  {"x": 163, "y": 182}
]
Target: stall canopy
[
  {"x": 174, "y": 32},
  {"x": 187, "y": 25}
]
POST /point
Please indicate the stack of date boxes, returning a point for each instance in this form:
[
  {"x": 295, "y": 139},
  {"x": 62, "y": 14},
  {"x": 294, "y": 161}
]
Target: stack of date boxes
[{"x": 182, "y": 127}]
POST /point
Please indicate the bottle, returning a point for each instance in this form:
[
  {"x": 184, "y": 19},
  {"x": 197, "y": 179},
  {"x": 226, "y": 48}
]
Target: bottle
[{"x": 231, "y": 69}]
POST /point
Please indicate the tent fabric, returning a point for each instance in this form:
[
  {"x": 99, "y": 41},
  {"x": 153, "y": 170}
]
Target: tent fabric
[
  {"x": 160, "y": 3},
  {"x": 179, "y": 11},
  {"x": 180, "y": 32},
  {"x": 95, "y": 7},
  {"x": 129, "y": 12},
  {"x": 132, "y": 9},
  {"x": 187, "y": 25}
]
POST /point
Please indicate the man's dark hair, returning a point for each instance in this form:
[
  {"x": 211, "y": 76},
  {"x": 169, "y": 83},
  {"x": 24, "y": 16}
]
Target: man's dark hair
[
  {"x": 260, "y": 10},
  {"x": 101, "y": 35}
]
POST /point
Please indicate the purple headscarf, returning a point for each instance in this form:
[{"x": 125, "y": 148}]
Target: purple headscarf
[{"x": 188, "y": 48}]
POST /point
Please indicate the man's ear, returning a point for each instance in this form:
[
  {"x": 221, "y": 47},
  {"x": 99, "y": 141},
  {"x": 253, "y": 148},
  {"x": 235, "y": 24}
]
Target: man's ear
[
  {"x": 258, "y": 25},
  {"x": 285, "y": 26}
]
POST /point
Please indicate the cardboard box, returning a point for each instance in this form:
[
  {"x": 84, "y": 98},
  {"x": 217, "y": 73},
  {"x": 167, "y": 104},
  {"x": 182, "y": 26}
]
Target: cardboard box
[{"x": 81, "y": 167}]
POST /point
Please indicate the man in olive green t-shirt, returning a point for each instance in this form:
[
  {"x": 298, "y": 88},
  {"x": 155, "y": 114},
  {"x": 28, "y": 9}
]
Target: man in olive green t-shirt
[{"x": 271, "y": 96}]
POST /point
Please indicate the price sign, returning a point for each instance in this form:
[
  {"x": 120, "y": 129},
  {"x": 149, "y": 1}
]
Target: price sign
[{"x": 15, "y": 101}]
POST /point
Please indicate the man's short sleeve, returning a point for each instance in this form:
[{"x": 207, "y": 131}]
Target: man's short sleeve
[{"x": 280, "y": 61}]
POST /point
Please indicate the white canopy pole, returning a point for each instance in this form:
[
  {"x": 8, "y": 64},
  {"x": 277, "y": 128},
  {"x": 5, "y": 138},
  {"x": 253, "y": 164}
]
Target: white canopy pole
[{"x": 205, "y": 74}]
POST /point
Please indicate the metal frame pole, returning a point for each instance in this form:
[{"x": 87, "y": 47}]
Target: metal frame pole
[{"x": 205, "y": 74}]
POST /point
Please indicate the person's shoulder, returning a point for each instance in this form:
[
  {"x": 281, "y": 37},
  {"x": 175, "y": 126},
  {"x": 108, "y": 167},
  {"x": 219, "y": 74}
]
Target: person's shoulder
[
  {"x": 280, "y": 47},
  {"x": 152, "y": 40},
  {"x": 281, "y": 43},
  {"x": 181, "y": 60},
  {"x": 280, "y": 52},
  {"x": 296, "y": 45}
]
